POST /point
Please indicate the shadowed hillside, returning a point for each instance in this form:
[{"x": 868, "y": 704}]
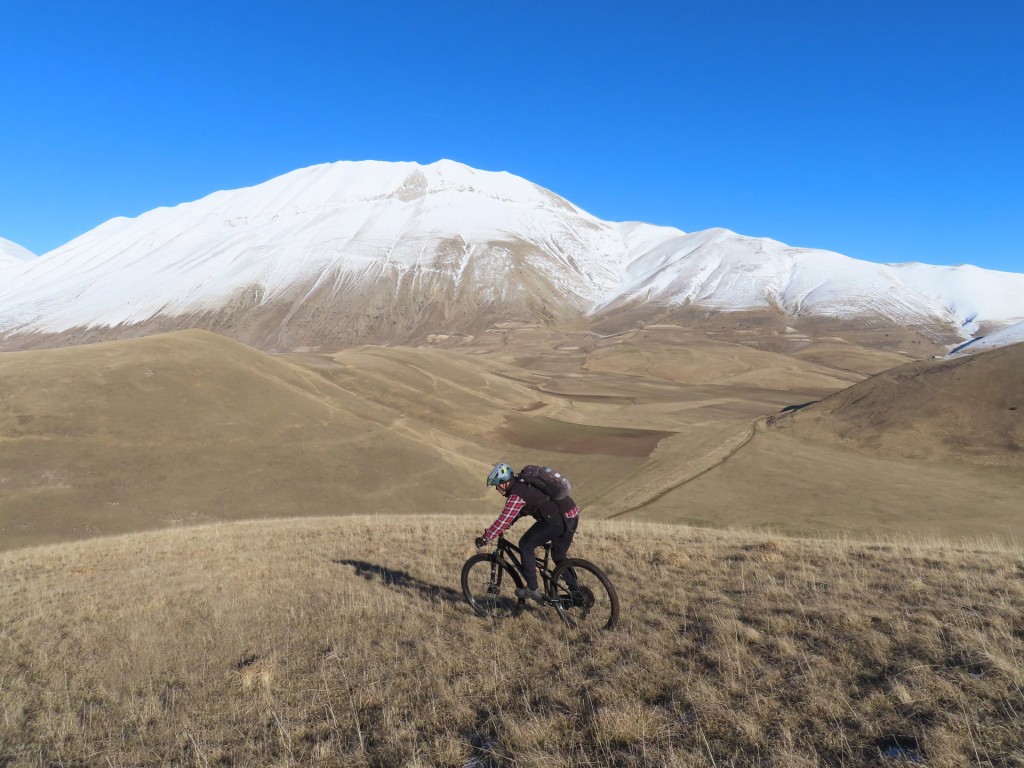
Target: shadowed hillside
[{"x": 968, "y": 409}]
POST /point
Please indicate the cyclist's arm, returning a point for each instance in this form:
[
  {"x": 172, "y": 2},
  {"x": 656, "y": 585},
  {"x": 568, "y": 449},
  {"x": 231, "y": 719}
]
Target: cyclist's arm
[{"x": 513, "y": 507}]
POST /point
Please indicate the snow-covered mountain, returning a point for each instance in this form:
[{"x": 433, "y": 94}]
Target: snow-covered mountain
[
  {"x": 12, "y": 254},
  {"x": 721, "y": 269},
  {"x": 347, "y": 250},
  {"x": 373, "y": 251}
]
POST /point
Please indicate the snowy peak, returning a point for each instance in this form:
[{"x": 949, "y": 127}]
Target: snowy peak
[
  {"x": 349, "y": 240},
  {"x": 375, "y": 251},
  {"x": 970, "y": 294},
  {"x": 12, "y": 254},
  {"x": 724, "y": 270},
  {"x": 337, "y": 185}
]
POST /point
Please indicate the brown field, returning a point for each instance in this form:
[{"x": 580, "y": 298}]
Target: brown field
[{"x": 344, "y": 641}]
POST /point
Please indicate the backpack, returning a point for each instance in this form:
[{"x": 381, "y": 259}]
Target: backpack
[{"x": 554, "y": 484}]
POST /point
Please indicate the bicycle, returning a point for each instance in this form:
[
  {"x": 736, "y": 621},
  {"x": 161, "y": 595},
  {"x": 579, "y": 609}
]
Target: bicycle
[{"x": 580, "y": 592}]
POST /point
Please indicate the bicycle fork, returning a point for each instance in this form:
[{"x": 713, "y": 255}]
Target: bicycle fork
[{"x": 494, "y": 585}]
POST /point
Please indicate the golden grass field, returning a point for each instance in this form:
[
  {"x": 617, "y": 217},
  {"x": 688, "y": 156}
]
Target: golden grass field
[
  {"x": 216, "y": 556},
  {"x": 345, "y": 642}
]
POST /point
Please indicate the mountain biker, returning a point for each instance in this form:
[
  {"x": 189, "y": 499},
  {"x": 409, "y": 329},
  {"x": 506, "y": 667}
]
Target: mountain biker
[{"x": 556, "y": 522}]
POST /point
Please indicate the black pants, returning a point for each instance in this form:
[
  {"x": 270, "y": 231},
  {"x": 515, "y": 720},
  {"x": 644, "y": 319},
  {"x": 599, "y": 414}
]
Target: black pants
[{"x": 559, "y": 531}]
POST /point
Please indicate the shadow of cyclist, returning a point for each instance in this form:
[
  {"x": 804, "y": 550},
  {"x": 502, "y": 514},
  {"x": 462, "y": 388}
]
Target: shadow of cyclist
[{"x": 403, "y": 580}]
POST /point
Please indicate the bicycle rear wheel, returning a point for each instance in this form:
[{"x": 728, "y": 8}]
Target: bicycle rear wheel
[
  {"x": 489, "y": 586},
  {"x": 584, "y": 596}
]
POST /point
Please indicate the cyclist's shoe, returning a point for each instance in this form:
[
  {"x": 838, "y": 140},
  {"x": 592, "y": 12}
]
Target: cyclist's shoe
[{"x": 525, "y": 593}]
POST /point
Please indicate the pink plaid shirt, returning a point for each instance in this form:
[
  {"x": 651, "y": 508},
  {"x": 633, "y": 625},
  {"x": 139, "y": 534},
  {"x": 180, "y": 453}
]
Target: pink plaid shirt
[{"x": 513, "y": 508}]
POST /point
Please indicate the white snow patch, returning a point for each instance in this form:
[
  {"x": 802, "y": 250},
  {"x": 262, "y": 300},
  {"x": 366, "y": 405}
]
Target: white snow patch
[{"x": 1012, "y": 334}]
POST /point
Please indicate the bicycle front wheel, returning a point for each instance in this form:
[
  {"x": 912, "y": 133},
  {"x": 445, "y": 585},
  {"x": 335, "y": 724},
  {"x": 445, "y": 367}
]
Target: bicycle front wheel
[
  {"x": 489, "y": 586},
  {"x": 584, "y": 595}
]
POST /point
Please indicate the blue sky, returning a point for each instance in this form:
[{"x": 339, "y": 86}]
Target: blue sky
[{"x": 886, "y": 131}]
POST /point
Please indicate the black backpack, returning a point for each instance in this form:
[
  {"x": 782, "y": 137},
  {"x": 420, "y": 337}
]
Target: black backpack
[{"x": 554, "y": 484}]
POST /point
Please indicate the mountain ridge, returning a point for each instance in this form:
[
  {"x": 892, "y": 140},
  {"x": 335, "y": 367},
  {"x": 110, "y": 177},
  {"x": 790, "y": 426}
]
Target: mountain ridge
[
  {"x": 12, "y": 254},
  {"x": 352, "y": 252}
]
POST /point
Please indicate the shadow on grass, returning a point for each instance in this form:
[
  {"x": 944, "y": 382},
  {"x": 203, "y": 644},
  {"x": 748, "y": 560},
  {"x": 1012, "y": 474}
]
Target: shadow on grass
[
  {"x": 402, "y": 580},
  {"x": 800, "y": 407}
]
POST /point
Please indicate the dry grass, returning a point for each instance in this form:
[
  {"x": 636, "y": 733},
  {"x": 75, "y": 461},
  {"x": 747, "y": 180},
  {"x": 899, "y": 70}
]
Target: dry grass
[
  {"x": 344, "y": 641},
  {"x": 967, "y": 409}
]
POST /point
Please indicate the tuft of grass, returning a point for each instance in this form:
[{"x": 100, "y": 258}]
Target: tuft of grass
[{"x": 345, "y": 642}]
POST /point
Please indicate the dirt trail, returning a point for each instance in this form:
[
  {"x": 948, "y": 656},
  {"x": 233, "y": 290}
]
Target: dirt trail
[{"x": 677, "y": 461}]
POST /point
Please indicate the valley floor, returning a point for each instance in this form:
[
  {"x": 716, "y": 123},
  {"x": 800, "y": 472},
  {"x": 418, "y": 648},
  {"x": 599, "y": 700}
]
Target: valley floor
[{"x": 661, "y": 424}]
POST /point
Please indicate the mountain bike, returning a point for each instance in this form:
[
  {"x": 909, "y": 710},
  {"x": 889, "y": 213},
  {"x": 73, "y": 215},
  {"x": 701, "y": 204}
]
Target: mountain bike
[{"x": 580, "y": 592}]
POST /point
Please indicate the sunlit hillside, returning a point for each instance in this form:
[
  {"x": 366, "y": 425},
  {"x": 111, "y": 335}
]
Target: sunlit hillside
[
  {"x": 315, "y": 617},
  {"x": 345, "y": 642}
]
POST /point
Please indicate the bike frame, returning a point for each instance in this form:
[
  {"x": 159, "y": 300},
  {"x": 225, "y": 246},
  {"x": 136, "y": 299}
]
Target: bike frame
[{"x": 513, "y": 556}]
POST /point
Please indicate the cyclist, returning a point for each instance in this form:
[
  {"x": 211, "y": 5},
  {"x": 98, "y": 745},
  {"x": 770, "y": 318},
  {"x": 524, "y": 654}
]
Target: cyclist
[{"x": 556, "y": 522}]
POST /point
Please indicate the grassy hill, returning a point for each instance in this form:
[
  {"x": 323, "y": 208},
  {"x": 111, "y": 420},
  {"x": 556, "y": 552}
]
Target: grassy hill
[
  {"x": 658, "y": 423},
  {"x": 968, "y": 409},
  {"x": 344, "y": 641},
  {"x": 338, "y": 636},
  {"x": 192, "y": 427}
]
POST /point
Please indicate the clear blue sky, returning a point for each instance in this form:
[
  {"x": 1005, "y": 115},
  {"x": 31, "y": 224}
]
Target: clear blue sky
[{"x": 889, "y": 131}]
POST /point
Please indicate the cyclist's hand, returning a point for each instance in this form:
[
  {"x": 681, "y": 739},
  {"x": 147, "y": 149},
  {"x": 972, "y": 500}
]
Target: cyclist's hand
[{"x": 480, "y": 542}]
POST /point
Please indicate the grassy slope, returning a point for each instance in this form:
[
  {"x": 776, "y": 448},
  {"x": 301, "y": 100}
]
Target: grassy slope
[
  {"x": 806, "y": 488},
  {"x": 191, "y": 427},
  {"x": 345, "y": 642},
  {"x": 969, "y": 409}
]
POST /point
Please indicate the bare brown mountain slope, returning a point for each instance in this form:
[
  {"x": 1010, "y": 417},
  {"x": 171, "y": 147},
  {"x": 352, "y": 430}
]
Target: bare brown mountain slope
[{"x": 968, "y": 409}]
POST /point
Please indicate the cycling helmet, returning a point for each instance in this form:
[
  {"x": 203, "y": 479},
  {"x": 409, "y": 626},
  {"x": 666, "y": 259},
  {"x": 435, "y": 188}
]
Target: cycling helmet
[{"x": 501, "y": 473}]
